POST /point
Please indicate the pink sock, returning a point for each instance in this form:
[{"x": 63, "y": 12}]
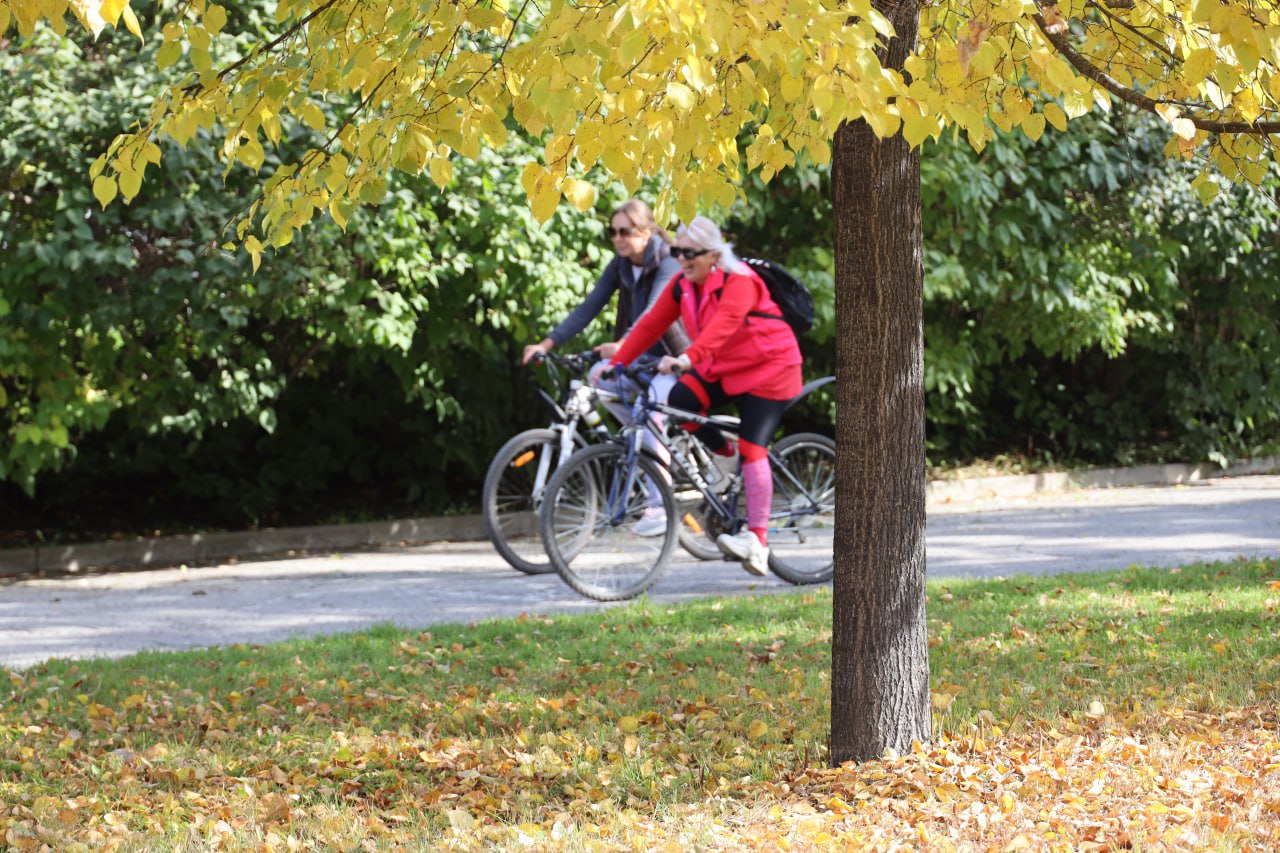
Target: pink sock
[{"x": 757, "y": 485}]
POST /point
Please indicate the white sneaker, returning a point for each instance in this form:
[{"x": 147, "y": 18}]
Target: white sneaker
[
  {"x": 746, "y": 547},
  {"x": 653, "y": 522}
]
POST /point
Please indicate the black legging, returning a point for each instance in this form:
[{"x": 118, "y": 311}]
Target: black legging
[{"x": 760, "y": 417}]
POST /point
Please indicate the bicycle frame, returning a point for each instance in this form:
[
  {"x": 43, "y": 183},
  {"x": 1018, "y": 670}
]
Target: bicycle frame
[
  {"x": 577, "y": 405},
  {"x": 642, "y": 410}
]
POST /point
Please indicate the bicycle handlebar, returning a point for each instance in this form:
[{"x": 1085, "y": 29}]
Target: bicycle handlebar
[
  {"x": 642, "y": 370},
  {"x": 576, "y": 361}
]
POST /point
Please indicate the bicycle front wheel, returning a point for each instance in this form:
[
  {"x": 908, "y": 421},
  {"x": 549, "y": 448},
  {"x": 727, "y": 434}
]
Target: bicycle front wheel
[
  {"x": 588, "y": 519},
  {"x": 802, "y": 521},
  {"x": 513, "y": 489}
]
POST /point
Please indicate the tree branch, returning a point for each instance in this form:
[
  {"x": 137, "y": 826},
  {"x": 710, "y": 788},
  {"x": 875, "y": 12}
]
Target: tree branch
[
  {"x": 1139, "y": 100},
  {"x": 267, "y": 48}
]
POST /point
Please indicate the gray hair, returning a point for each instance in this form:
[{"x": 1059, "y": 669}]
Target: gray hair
[{"x": 705, "y": 234}]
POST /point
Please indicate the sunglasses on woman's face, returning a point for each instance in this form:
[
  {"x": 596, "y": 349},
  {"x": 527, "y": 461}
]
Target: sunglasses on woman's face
[
  {"x": 678, "y": 252},
  {"x": 610, "y": 233}
]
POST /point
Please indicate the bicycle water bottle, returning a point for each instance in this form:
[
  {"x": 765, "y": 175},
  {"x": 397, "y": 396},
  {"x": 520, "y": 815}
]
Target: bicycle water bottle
[{"x": 582, "y": 403}]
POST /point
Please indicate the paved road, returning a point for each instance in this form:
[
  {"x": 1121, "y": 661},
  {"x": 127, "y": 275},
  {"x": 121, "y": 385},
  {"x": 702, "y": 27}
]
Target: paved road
[{"x": 263, "y": 601}]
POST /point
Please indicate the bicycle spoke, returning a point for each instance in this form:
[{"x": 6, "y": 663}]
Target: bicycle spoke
[
  {"x": 588, "y": 525},
  {"x": 802, "y": 520}
]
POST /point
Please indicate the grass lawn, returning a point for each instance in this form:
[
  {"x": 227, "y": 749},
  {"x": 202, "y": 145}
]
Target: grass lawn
[{"x": 1134, "y": 709}]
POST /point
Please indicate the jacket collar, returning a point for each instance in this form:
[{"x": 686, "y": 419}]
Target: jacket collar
[
  {"x": 713, "y": 282},
  {"x": 654, "y": 252}
]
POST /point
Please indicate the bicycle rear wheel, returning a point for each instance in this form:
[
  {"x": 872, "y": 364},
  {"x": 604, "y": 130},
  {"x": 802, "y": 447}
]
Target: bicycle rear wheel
[
  {"x": 587, "y": 520},
  {"x": 803, "y": 519},
  {"x": 513, "y": 489}
]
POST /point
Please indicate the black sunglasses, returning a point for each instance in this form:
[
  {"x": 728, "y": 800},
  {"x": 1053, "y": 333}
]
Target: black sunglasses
[
  {"x": 609, "y": 233},
  {"x": 679, "y": 252}
]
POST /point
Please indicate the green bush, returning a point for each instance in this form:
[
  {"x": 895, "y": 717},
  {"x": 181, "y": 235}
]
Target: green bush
[{"x": 143, "y": 368}]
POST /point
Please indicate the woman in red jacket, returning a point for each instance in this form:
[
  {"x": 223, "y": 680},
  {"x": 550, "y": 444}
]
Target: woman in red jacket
[{"x": 742, "y": 351}]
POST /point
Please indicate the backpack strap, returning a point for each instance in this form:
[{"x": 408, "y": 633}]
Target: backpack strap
[{"x": 678, "y": 294}]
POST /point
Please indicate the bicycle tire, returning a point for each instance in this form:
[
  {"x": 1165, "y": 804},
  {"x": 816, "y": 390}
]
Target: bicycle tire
[
  {"x": 510, "y": 502},
  {"x": 801, "y": 542},
  {"x": 591, "y": 546}
]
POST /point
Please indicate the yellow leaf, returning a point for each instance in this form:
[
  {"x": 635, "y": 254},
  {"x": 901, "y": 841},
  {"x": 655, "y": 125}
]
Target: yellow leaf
[
  {"x": 1184, "y": 128},
  {"x": 1198, "y": 65},
  {"x": 282, "y": 238},
  {"x": 340, "y": 209},
  {"x": 531, "y": 176},
  {"x": 917, "y": 128},
  {"x": 681, "y": 96},
  {"x": 200, "y": 59},
  {"x": 251, "y": 154},
  {"x": 628, "y": 725},
  {"x": 1076, "y": 104},
  {"x": 168, "y": 54},
  {"x": 215, "y": 18},
  {"x": 130, "y": 183},
  {"x": 254, "y": 248},
  {"x": 757, "y": 729},
  {"x": 131, "y": 22},
  {"x": 104, "y": 190},
  {"x": 579, "y": 193},
  {"x": 545, "y": 204},
  {"x": 1055, "y": 116},
  {"x": 441, "y": 171},
  {"x": 112, "y": 9},
  {"x": 1247, "y": 103},
  {"x": 1033, "y": 126},
  {"x": 836, "y": 805}
]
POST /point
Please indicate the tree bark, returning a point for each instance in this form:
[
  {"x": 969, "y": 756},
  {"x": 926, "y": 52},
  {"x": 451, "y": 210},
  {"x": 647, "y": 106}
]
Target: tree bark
[{"x": 880, "y": 653}]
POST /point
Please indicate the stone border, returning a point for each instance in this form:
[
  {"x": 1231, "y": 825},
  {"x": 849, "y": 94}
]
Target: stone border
[
  {"x": 976, "y": 488},
  {"x": 203, "y": 547}
]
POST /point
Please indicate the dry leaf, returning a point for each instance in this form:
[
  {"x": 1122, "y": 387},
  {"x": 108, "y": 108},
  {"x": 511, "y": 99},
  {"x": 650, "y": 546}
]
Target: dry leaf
[
  {"x": 970, "y": 42},
  {"x": 1053, "y": 20}
]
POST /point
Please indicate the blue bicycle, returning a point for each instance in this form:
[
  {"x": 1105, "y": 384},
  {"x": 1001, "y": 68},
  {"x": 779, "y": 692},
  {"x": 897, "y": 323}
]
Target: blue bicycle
[{"x": 593, "y": 502}]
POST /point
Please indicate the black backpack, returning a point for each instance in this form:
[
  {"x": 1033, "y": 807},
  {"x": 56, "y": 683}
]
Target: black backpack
[{"x": 786, "y": 290}]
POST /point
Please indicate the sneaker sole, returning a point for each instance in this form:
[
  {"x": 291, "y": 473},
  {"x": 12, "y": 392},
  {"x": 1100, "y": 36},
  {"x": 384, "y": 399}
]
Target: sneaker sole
[{"x": 729, "y": 552}]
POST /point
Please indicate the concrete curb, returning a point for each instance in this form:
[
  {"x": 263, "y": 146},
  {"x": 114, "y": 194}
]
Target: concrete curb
[
  {"x": 203, "y": 547},
  {"x": 977, "y": 488}
]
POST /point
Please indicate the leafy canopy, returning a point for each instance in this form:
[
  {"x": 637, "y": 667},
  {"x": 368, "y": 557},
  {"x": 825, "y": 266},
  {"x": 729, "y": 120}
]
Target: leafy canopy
[{"x": 665, "y": 88}]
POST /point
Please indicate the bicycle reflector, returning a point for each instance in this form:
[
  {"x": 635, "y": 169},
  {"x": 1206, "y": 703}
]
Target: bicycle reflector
[
  {"x": 692, "y": 523},
  {"x": 523, "y": 459}
]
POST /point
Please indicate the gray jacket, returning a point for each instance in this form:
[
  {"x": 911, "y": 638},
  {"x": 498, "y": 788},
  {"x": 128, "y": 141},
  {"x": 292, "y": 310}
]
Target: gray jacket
[{"x": 634, "y": 298}]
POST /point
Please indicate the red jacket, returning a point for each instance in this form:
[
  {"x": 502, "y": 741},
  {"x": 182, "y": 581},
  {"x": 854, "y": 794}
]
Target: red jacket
[{"x": 746, "y": 354}]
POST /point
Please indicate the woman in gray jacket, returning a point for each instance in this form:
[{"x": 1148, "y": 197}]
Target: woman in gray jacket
[{"x": 637, "y": 273}]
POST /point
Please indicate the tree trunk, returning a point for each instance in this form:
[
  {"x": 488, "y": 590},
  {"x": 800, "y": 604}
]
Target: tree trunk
[{"x": 880, "y": 653}]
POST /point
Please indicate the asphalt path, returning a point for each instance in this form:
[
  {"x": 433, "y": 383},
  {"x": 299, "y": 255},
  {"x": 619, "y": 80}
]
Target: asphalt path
[{"x": 416, "y": 586}]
